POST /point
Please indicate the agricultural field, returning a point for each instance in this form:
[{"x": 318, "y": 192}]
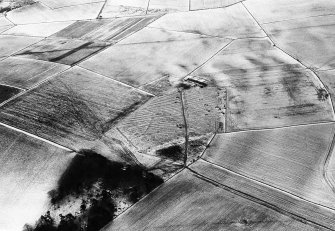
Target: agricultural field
[
  {"x": 37, "y": 30},
  {"x": 167, "y": 115},
  {"x": 29, "y": 169},
  {"x": 74, "y": 107},
  {"x": 39, "y": 13},
  {"x": 108, "y": 30},
  {"x": 307, "y": 34},
  {"x": 145, "y": 56},
  {"x": 265, "y": 87},
  {"x": 54, "y": 4},
  {"x": 63, "y": 51},
  {"x": 5, "y": 24},
  {"x": 11, "y": 44},
  {"x": 241, "y": 24},
  {"x": 189, "y": 202},
  {"x": 25, "y": 73},
  {"x": 286, "y": 10},
  {"x": 211, "y": 4},
  {"x": 269, "y": 196},
  {"x": 43, "y": 179},
  {"x": 327, "y": 77},
  {"x": 291, "y": 159}
]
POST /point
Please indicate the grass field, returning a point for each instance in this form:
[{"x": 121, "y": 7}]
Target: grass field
[
  {"x": 290, "y": 159},
  {"x": 173, "y": 5},
  {"x": 187, "y": 202},
  {"x": 157, "y": 124},
  {"x": 205, "y": 110},
  {"x": 115, "y": 8}
]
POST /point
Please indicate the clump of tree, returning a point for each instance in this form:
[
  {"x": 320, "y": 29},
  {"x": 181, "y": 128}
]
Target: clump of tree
[
  {"x": 100, "y": 181},
  {"x": 322, "y": 94},
  {"x": 8, "y": 5}
]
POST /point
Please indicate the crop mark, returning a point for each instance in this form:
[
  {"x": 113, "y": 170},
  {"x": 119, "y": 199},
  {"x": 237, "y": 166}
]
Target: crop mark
[
  {"x": 182, "y": 99},
  {"x": 196, "y": 32},
  {"x": 285, "y": 52},
  {"x": 72, "y": 51},
  {"x": 325, "y": 166},
  {"x": 128, "y": 140},
  {"x": 201, "y": 65}
]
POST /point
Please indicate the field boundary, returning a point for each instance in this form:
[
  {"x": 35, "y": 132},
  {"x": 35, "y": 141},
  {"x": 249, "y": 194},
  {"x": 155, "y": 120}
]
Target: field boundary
[{"x": 257, "y": 200}]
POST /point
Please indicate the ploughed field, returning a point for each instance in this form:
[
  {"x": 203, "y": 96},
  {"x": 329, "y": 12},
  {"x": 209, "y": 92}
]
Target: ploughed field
[{"x": 167, "y": 115}]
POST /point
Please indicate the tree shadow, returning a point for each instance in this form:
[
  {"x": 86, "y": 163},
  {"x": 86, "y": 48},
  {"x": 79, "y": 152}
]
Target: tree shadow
[{"x": 102, "y": 181}]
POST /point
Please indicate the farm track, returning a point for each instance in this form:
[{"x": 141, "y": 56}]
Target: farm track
[
  {"x": 326, "y": 164},
  {"x": 259, "y": 182}
]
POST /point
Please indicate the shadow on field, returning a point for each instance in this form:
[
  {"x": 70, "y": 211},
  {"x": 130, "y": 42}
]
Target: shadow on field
[
  {"x": 7, "y": 92},
  {"x": 98, "y": 182}
]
